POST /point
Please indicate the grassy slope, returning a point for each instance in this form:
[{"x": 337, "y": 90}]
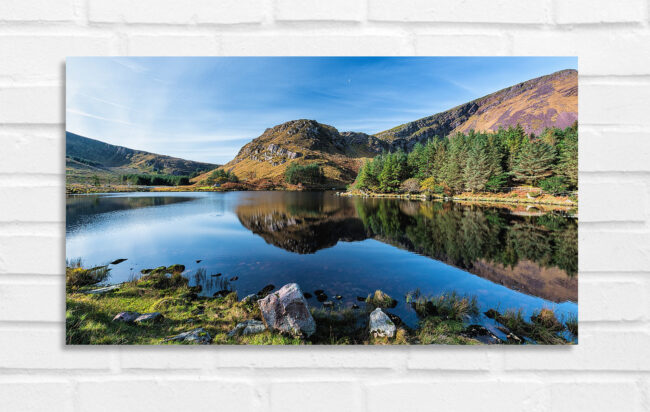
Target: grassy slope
[
  {"x": 530, "y": 104},
  {"x": 87, "y": 157}
]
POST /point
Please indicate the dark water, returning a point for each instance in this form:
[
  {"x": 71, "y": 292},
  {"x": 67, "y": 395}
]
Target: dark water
[{"x": 522, "y": 258}]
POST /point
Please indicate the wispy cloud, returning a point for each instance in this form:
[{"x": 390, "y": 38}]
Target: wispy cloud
[
  {"x": 94, "y": 116},
  {"x": 130, "y": 64}
]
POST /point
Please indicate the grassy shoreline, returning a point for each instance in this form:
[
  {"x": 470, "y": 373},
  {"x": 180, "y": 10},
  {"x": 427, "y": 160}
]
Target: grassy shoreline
[
  {"x": 470, "y": 197},
  {"x": 444, "y": 319}
]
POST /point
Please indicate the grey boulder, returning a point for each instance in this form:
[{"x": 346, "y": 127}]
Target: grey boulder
[
  {"x": 381, "y": 325},
  {"x": 286, "y": 311}
]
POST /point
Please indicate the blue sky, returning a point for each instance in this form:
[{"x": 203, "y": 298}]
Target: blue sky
[{"x": 206, "y": 108}]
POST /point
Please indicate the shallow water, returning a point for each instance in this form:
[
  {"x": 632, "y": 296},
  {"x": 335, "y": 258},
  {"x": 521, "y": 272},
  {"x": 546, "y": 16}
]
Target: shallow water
[{"x": 519, "y": 258}]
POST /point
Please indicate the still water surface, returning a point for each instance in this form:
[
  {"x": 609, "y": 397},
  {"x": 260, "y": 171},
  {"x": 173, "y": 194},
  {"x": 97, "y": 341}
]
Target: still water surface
[{"x": 508, "y": 257}]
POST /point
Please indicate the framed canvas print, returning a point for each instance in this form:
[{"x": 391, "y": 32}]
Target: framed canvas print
[{"x": 321, "y": 200}]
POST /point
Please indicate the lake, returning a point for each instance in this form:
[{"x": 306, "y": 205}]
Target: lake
[{"x": 508, "y": 257}]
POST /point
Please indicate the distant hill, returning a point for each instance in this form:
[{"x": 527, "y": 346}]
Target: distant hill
[
  {"x": 304, "y": 142},
  {"x": 547, "y": 101},
  {"x": 86, "y": 157}
]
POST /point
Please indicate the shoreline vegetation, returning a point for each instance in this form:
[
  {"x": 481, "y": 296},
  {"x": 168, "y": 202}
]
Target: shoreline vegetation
[
  {"x": 506, "y": 166},
  {"x": 160, "y": 307}
]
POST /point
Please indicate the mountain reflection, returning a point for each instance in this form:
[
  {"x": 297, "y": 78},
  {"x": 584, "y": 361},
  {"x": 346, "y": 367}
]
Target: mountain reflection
[{"x": 532, "y": 251}]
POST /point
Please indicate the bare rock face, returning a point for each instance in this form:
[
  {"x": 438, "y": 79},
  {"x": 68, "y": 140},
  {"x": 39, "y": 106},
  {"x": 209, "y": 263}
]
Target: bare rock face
[
  {"x": 287, "y": 311},
  {"x": 381, "y": 325}
]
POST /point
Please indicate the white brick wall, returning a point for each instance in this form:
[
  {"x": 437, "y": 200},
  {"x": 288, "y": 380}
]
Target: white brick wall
[{"x": 609, "y": 370}]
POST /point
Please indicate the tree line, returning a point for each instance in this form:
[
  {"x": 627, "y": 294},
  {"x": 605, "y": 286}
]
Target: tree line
[
  {"x": 155, "y": 180},
  {"x": 478, "y": 162}
]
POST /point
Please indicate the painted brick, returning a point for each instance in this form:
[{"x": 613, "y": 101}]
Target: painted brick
[
  {"x": 176, "y": 45},
  {"x": 32, "y": 302},
  {"x": 336, "y": 10},
  {"x": 595, "y": 396},
  {"x": 319, "y": 396},
  {"x": 599, "y": 11},
  {"x": 599, "y": 350},
  {"x": 614, "y": 104},
  {"x": 37, "y": 10},
  {"x": 41, "y": 153},
  {"x": 157, "y": 394},
  {"x": 422, "y": 395},
  {"x": 31, "y": 104},
  {"x": 471, "y": 11},
  {"x": 461, "y": 45},
  {"x": 609, "y": 150},
  {"x": 612, "y": 251},
  {"x": 30, "y": 348},
  {"x": 612, "y": 200},
  {"x": 173, "y": 12},
  {"x": 612, "y": 301},
  {"x": 26, "y": 204},
  {"x": 29, "y": 396},
  {"x": 38, "y": 57},
  {"x": 326, "y": 45},
  {"x": 599, "y": 52},
  {"x": 17, "y": 255}
]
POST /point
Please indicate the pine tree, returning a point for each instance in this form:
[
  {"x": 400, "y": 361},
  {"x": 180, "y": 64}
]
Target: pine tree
[
  {"x": 568, "y": 158},
  {"x": 534, "y": 162},
  {"x": 478, "y": 168}
]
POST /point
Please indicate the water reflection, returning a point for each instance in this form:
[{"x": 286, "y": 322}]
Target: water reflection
[
  {"x": 528, "y": 250},
  {"x": 522, "y": 257}
]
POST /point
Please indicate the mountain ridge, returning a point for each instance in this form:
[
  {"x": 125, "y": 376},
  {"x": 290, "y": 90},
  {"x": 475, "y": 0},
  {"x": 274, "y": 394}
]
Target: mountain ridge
[
  {"x": 86, "y": 157},
  {"x": 532, "y": 104}
]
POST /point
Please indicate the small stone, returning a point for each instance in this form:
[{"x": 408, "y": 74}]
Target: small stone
[
  {"x": 126, "y": 317},
  {"x": 319, "y": 292},
  {"x": 198, "y": 261},
  {"x": 234, "y": 278},
  {"x": 103, "y": 290},
  {"x": 216, "y": 275},
  {"x": 248, "y": 327},
  {"x": 117, "y": 261},
  {"x": 221, "y": 293},
  {"x": 249, "y": 299},
  {"x": 338, "y": 297},
  {"x": 265, "y": 290},
  {"x": 328, "y": 304},
  {"x": 381, "y": 325},
  {"x": 361, "y": 299},
  {"x": 198, "y": 335},
  {"x": 307, "y": 295},
  {"x": 149, "y": 317},
  {"x": 355, "y": 306}
]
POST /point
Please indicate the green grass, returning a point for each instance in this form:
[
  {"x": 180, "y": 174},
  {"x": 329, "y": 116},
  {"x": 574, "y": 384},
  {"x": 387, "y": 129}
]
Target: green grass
[
  {"x": 451, "y": 306},
  {"x": 380, "y": 299}
]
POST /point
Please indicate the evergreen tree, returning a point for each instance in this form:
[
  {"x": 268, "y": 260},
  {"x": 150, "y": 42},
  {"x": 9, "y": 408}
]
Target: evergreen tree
[
  {"x": 534, "y": 162},
  {"x": 478, "y": 168},
  {"x": 568, "y": 158}
]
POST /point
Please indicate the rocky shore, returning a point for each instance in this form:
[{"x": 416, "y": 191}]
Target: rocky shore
[{"x": 161, "y": 308}]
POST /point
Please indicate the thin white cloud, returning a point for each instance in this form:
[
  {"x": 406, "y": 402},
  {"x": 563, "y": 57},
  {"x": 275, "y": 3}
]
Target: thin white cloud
[
  {"x": 130, "y": 64},
  {"x": 93, "y": 116},
  {"x": 121, "y": 106}
]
